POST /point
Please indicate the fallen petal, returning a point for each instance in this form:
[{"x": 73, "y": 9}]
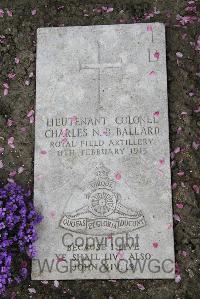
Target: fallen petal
[
  {"x": 177, "y": 150},
  {"x": 1, "y": 13},
  {"x": 177, "y": 217},
  {"x": 9, "y": 13},
  {"x": 20, "y": 169},
  {"x": 32, "y": 290},
  {"x": 5, "y": 92},
  {"x": 179, "y": 54},
  {"x": 196, "y": 189},
  {"x": 155, "y": 244},
  {"x": 56, "y": 283},
  {"x": 110, "y": 9},
  {"x": 140, "y": 286},
  {"x": 33, "y": 12},
  {"x": 195, "y": 145},
  {"x": 177, "y": 278},
  {"x": 181, "y": 173},
  {"x": 11, "y": 75},
  {"x": 43, "y": 152},
  {"x": 180, "y": 205},
  {"x": 149, "y": 28},
  {"x": 30, "y": 113},
  {"x": 16, "y": 60},
  {"x": 156, "y": 113},
  {"x": 118, "y": 176}
]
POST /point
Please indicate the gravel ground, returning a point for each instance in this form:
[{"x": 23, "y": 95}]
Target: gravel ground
[{"x": 18, "y": 27}]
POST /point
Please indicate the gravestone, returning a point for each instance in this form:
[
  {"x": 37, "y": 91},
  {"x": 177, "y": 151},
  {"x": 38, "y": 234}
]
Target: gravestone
[{"x": 102, "y": 167}]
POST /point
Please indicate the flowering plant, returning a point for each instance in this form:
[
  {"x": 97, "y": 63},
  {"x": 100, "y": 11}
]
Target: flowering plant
[{"x": 18, "y": 219}]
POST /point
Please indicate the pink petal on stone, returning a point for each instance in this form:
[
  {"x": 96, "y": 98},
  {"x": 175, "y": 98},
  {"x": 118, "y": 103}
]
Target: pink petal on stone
[
  {"x": 64, "y": 140},
  {"x": 183, "y": 185},
  {"x": 179, "y": 54},
  {"x": 104, "y": 8},
  {"x": 43, "y": 152},
  {"x": 98, "y": 10},
  {"x": 5, "y": 85},
  {"x": 1, "y": 150},
  {"x": 118, "y": 176},
  {"x": 174, "y": 185},
  {"x": 196, "y": 189},
  {"x": 162, "y": 161},
  {"x": 56, "y": 283},
  {"x": 31, "y": 119},
  {"x": 120, "y": 254},
  {"x": 177, "y": 217},
  {"x": 197, "y": 110},
  {"x": 178, "y": 131},
  {"x": 191, "y": 93},
  {"x": 184, "y": 253},
  {"x": 110, "y": 9},
  {"x": 180, "y": 205},
  {"x": 33, "y": 12},
  {"x": 156, "y": 55},
  {"x": 156, "y": 113},
  {"x": 104, "y": 133},
  {"x": 172, "y": 155},
  {"x": 16, "y": 60},
  {"x": 32, "y": 290},
  {"x": 195, "y": 145},
  {"x": 5, "y": 92},
  {"x": 20, "y": 169},
  {"x": 10, "y": 142},
  {"x": 152, "y": 73},
  {"x": 155, "y": 244},
  {"x": 1, "y": 164},
  {"x": 181, "y": 173},
  {"x": 27, "y": 82},
  {"x": 1, "y": 13},
  {"x": 11, "y": 75},
  {"x": 60, "y": 7},
  {"x": 183, "y": 113},
  {"x": 140, "y": 286},
  {"x": 9, "y": 13},
  {"x": 177, "y": 278},
  {"x": 13, "y": 173},
  {"x": 10, "y": 122},
  {"x": 149, "y": 28},
  {"x": 30, "y": 113},
  {"x": 73, "y": 119},
  {"x": 177, "y": 150}
]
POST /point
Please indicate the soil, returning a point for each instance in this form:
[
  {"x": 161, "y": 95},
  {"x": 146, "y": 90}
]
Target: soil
[{"x": 184, "y": 99}]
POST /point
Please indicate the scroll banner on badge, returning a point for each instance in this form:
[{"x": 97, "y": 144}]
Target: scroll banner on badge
[{"x": 102, "y": 226}]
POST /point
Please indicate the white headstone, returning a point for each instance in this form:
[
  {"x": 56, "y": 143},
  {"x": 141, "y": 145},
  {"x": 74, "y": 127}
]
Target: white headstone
[{"x": 102, "y": 169}]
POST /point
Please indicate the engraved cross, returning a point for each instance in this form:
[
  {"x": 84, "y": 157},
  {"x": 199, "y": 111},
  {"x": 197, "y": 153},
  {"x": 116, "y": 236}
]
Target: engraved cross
[{"x": 100, "y": 66}]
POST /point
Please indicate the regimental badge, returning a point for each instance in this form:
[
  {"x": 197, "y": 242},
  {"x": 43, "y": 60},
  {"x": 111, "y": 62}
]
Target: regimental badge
[{"x": 105, "y": 214}]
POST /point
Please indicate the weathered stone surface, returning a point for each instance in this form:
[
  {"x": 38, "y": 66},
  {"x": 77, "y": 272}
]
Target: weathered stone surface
[{"x": 102, "y": 175}]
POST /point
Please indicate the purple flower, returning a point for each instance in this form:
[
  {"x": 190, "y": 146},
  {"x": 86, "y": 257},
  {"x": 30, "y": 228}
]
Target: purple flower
[{"x": 17, "y": 232}]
